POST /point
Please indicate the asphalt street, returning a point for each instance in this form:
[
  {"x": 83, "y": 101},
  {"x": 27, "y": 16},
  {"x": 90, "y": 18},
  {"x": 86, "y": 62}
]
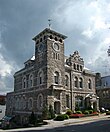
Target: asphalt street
[{"x": 97, "y": 126}]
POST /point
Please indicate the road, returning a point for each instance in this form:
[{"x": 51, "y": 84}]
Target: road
[{"x": 97, "y": 126}]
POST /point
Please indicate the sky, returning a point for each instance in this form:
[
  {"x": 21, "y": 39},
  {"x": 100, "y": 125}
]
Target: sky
[{"x": 85, "y": 22}]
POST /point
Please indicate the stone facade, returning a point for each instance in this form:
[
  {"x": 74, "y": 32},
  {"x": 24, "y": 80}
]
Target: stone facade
[{"x": 50, "y": 78}]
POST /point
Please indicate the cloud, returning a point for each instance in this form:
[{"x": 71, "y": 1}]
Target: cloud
[{"x": 85, "y": 22}]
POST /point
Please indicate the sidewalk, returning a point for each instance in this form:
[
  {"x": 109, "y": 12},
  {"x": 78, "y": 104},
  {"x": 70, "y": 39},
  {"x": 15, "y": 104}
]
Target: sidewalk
[{"x": 54, "y": 124}]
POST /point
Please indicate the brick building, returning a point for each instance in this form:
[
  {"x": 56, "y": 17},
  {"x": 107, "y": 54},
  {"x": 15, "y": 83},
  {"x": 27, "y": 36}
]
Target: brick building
[{"x": 51, "y": 78}]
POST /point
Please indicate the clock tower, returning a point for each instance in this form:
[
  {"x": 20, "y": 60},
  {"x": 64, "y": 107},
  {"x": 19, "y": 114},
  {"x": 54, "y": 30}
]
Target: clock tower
[{"x": 49, "y": 58}]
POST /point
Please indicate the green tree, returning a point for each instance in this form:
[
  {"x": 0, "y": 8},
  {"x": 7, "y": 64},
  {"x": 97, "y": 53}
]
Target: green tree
[
  {"x": 51, "y": 112},
  {"x": 32, "y": 118},
  {"x": 45, "y": 112}
]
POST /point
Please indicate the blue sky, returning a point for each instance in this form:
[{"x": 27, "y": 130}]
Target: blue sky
[{"x": 85, "y": 22}]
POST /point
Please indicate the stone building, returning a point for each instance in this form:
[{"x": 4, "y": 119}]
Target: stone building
[
  {"x": 51, "y": 78},
  {"x": 103, "y": 90}
]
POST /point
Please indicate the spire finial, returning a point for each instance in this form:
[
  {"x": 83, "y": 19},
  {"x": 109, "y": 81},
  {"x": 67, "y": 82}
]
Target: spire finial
[{"x": 49, "y": 22}]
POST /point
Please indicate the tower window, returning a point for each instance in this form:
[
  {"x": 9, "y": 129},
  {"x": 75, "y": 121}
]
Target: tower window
[
  {"x": 56, "y": 78},
  {"x": 81, "y": 83},
  {"x": 60, "y": 40},
  {"x": 56, "y": 39},
  {"x": 66, "y": 80},
  {"x": 89, "y": 84}
]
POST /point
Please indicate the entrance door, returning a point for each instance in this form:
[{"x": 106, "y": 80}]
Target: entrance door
[{"x": 57, "y": 107}]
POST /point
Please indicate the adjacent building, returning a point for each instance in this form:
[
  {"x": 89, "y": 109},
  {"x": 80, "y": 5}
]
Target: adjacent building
[
  {"x": 103, "y": 90},
  {"x": 50, "y": 78}
]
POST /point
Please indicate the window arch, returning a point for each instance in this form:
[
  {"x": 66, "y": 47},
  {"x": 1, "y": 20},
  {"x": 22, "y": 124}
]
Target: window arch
[
  {"x": 66, "y": 80},
  {"x": 56, "y": 77},
  {"x": 40, "y": 77},
  {"x": 40, "y": 101},
  {"x": 89, "y": 84},
  {"x": 76, "y": 82},
  {"x": 24, "y": 82},
  {"x": 80, "y": 82}
]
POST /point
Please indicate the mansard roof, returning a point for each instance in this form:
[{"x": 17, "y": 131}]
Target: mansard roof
[{"x": 48, "y": 30}]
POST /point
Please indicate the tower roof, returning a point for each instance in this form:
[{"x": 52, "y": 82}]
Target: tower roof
[{"x": 48, "y": 30}]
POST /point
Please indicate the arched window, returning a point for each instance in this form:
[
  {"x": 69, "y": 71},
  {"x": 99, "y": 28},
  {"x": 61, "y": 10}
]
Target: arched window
[
  {"x": 31, "y": 80},
  {"x": 30, "y": 103},
  {"x": 56, "y": 39},
  {"x": 40, "y": 101},
  {"x": 40, "y": 78},
  {"x": 66, "y": 80},
  {"x": 56, "y": 78},
  {"x": 76, "y": 82},
  {"x": 81, "y": 68},
  {"x": 81, "y": 83},
  {"x": 78, "y": 67},
  {"x": 24, "y": 82},
  {"x": 89, "y": 84},
  {"x": 74, "y": 66}
]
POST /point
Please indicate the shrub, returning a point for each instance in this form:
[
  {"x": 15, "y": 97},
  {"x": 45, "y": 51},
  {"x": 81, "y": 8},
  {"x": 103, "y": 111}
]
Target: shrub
[
  {"x": 66, "y": 116},
  {"x": 61, "y": 117},
  {"x": 108, "y": 113},
  {"x": 69, "y": 112},
  {"x": 79, "y": 112},
  {"x": 86, "y": 112},
  {"x": 90, "y": 111}
]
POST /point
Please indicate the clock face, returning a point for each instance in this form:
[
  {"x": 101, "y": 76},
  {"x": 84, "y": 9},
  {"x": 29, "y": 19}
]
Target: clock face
[{"x": 56, "y": 46}]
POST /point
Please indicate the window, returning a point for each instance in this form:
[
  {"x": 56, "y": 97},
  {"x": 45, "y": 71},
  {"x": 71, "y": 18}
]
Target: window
[
  {"x": 40, "y": 78},
  {"x": 75, "y": 66},
  {"x": 76, "y": 82},
  {"x": 40, "y": 101},
  {"x": 81, "y": 68},
  {"x": 81, "y": 83},
  {"x": 89, "y": 84},
  {"x": 56, "y": 78},
  {"x": 56, "y": 39},
  {"x": 66, "y": 80},
  {"x": 67, "y": 101},
  {"x": 24, "y": 82},
  {"x": 60, "y": 40},
  {"x": 78, "y": 67},
  {"x": 51, "y": 37}
]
